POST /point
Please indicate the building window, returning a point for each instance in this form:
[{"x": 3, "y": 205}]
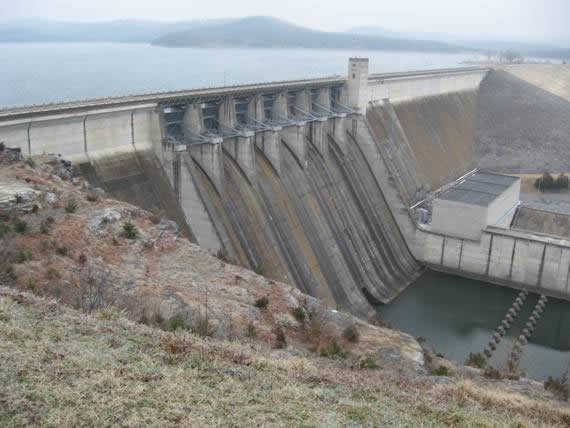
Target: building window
[{"x": 353, "y": 76}]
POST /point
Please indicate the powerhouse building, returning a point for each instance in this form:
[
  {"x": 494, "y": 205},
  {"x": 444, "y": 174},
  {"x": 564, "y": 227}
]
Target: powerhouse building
[{"x": 475, "y": 202}]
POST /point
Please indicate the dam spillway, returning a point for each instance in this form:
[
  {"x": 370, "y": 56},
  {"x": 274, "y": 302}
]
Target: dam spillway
[{"x": 310, "y": 182}]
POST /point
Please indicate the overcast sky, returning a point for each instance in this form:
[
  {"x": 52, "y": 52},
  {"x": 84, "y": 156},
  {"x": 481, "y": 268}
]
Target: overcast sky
[{"x": 482, "y": 19}]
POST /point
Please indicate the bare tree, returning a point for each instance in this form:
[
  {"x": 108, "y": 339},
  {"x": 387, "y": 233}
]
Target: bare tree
[
  {"x": 513, "y": 57},
  {"x": 95, "y": 289}
]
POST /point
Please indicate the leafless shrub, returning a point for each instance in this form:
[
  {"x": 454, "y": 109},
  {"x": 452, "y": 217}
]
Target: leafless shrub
[
  {"x": 95, "y": 290},
  {"x": 156, "y": 215},
  {"x": 92, "y": 196},
  {"x": 7, "y": 255}
]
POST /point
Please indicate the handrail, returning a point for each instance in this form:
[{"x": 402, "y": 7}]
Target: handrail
[{"x": 172, "y": 96}]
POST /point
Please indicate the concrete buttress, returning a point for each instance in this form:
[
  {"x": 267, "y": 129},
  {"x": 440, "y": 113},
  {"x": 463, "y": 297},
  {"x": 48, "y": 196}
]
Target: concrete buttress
[
  {"x": 227, "y": 113},
  {"x": 193, "y": 122},
  {"x": 280, "y": 110},
  {"x": 242, "y": 150},
  {"x": 210, "y": 158},
  {"x": 294, "y": 138},
  {"x": 302, "y": 103},
  {"x": 318, "y": 135},
  {"x": 270, "y": 145}
]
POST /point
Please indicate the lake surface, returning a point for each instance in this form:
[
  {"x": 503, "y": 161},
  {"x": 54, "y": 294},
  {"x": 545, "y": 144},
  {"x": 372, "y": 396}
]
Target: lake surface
[
  {"x": 457, "y": 316},
  {"x": 33, "y": 73}
]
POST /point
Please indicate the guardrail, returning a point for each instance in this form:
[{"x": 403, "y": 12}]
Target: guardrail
[
  {"x": 426, "y": 73},
  {"x": 205, "y": 93},
  {"x": 165, "y": 97}
]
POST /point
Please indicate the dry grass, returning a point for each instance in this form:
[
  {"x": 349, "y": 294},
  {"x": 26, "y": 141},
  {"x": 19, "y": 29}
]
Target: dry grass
[{"x": 73, "y": 369}]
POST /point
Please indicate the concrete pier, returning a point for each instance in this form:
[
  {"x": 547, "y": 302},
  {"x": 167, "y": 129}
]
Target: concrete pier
[
  {"x": 318, "y": 135},
  {"x": 242, "y": 150},
  {"x": 269, "y": 142},
  {"x": 295, "y": 137},
  {"x": 227, "y": 113},
  {"x": 210, "y": 158}
]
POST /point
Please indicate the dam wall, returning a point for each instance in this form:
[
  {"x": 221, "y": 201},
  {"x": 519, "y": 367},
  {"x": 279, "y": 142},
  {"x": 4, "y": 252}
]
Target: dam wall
[{"x": 288, "y": 178}]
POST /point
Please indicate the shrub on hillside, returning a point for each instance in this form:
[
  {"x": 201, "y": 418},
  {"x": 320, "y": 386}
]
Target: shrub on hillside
[
  {"x": 92, "y": 196},
  {"x": 351, "y": 334},
  {"x": 20, "y": 226},
  {"x": 71, "y": 206},
  {"x": 251, "y": 332},
  {"x": 368, "y": 363},
  {"x": 333, "y": 351},
  {"x": 223, "y": 255},
  {"x": 130, "y": 230},
  {"x": 156, "y": 215},
  {"x": 259, "y": 269},
  {"x": 561, "y": 182},
  {"x": 280, "y": 340},
  {"x": 558, "y": 386},
  {"x": 262, "y": 302},
  {"x": 176, "y": 322},
  {"x": 441, "y": 371},
  {"x": 547, "y": 182},
  {"x": 4, "y": 229},
  {"x": 476, "y": 359},
  {"x": 493, "y": 373},
  {"x": 299, "y": 313}
]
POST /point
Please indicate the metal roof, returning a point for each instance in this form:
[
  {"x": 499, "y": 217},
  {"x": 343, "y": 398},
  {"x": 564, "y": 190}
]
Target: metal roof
[{"x": 481, "y": 188}]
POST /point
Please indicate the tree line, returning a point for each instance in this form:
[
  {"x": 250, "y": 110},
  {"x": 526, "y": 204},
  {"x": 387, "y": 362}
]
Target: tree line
[{"x": 548, "y": 182}]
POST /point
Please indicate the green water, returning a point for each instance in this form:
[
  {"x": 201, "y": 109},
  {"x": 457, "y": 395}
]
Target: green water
[{"x": 457, "y": 316}]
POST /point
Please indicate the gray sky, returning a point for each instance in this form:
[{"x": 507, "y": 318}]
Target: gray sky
[{"x": 482, "y": 19}]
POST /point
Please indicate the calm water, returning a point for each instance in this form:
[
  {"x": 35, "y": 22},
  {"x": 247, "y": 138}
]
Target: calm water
[
  {"x": 457, "y": 316},
  {"x": 47, "y": 72}
]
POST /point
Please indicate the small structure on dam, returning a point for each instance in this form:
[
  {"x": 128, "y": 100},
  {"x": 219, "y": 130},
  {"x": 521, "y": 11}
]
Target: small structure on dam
[{"x": 470, "y": 205}]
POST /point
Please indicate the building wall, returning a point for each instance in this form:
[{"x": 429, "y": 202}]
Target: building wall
[
  {"x": 458, "y": 219},
  {"x": 502, "y": 209}
]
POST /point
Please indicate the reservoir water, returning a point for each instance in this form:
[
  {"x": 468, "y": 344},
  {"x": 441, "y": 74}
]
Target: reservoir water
[
  {"x": 33, "y": 73},
  {"x": 457, "y": 316}
]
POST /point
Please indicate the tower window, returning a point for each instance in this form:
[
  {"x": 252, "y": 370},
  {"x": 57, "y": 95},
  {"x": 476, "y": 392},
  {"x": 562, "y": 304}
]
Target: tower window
[{"x": 353, "y": 75}]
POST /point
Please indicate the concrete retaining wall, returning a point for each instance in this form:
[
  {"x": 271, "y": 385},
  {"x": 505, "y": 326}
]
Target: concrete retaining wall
[
  {"x": 504, "y": 257},
  {"x": 398, "y": 89},
  {"x": 82, "y": 135}
]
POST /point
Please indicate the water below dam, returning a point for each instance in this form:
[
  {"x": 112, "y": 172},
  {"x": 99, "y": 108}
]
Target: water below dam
[
  {"x": 34, "y": 73},
  {"x": 457, "y": 316}
]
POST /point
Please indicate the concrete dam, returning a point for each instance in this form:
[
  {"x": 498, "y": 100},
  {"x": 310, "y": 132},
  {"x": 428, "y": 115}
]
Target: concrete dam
[{"x": 315, "y": 182}]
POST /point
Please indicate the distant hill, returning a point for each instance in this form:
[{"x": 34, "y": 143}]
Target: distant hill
[
  {"x": 267, "y": 32},
  {"x": 554, "y": 49},
  {"x": 125, "y": 31}
]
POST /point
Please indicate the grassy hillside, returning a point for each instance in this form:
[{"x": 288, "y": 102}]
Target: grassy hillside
[{"x": 61, "y": 367}]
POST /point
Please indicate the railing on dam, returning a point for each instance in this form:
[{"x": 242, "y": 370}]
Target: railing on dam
[
  {"x": 169, "y": 97},
  {"x": 215, "y": 93}
]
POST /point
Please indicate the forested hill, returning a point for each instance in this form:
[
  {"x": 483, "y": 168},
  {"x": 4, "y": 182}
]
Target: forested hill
[
  {"x": 122, "y": 31},
  {"x": 267, "y": 32}
]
